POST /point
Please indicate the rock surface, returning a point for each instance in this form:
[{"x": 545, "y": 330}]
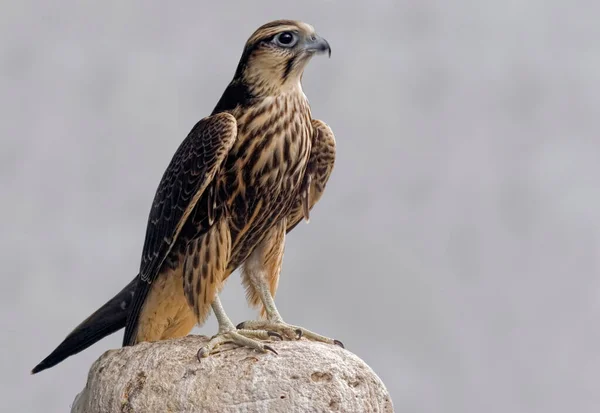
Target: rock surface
[{"x": 167, "y": 377}]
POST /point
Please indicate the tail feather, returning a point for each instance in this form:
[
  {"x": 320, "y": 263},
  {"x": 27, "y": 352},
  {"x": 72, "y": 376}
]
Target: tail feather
[{"x": 109, "y": 318}]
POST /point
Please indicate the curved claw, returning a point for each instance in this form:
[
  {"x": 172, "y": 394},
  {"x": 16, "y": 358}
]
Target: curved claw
[
  {"x": 298, "y": 333},
  {"x": 271, "y": 349},
  {"x": 274, "y": 334},
  {"x": 240, "y": 326},
  {"x": 338, "y": 343},
  {"x": 200, "y": 354}
]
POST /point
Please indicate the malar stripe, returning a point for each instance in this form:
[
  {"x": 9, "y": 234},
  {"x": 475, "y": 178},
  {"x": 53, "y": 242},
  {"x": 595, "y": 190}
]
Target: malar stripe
[{"x": 288, "y": 67}]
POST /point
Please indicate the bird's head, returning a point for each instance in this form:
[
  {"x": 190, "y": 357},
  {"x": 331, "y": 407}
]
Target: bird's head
[{"x": 276, "y": 54}]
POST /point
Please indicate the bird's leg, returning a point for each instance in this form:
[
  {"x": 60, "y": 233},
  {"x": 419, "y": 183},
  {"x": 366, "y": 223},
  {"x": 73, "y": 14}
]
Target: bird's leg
[
  {"x": 274, "y": 321},
  {"x": 260, "y": 274},
  {"x": 229, "y": 334}
]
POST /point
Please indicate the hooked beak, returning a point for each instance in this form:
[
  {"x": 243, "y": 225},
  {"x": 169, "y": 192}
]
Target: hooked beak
[{"x": 317, "y": 44}]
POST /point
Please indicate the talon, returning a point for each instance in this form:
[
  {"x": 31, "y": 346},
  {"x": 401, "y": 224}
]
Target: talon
[
  {"x": 338, "y": 343},
  {"x": 274, "y": 334},
  {"x": 298, "y": 333},
  {"x": 200, "y": 355},
  {"x": 269, "y": 348},
  {"x": 240, "y": 326}
]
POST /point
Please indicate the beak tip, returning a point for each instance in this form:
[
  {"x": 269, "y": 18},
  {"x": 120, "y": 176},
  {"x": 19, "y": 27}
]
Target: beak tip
[{"x": 318, "y": 45}]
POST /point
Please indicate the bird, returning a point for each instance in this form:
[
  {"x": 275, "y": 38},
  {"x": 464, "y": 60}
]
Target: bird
[{"x": 242, "y": 179}]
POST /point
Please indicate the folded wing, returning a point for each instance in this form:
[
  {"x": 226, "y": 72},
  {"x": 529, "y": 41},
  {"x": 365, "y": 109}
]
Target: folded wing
[
  {"x": 187, "y": 177},
  {"x": 318, "y": 171}
]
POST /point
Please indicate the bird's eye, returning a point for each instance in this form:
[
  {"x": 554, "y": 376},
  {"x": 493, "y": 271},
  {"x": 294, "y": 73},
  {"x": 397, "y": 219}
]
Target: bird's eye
[{"x": 286, "y": 39}]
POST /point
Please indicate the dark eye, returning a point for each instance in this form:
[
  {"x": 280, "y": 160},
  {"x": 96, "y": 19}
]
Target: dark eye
[{"x": 286, "y": 39}]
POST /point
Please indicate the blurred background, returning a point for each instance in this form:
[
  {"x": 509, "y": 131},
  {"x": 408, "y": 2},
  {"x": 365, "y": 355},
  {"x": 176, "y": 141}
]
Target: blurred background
[{"x": 457, "y": 247}]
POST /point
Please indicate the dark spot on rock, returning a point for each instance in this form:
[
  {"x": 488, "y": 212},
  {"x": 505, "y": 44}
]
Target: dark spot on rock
[
  {"x": 132, "y": 389},
  {"x": 354, "y": 383},
  {"x": 188, "y": 373},
  {"x": 318, "y": 376},
  {"x": 282, "y": 396},
  {"x": 294, "y": 377}
]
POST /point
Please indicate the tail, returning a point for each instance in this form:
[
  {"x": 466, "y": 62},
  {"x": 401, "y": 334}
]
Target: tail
[{"x": 104, "y": 321}]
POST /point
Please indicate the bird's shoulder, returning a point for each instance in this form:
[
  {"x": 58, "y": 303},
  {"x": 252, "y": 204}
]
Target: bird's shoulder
[
  {"x": 323, "y": 137},
  {"x": 217, "y": 128}
]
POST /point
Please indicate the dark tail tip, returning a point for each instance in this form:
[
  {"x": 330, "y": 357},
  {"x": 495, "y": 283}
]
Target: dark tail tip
[
  {"x": 88, "y": 333},
  {"x": 40, "y": 367},
  {"x": 109, "y": 318}
]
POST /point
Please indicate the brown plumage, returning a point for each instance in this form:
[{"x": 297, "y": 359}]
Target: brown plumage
[
  {"x": 319, "y": 168},
  {"x": 242, "y": 178},
  {"x": 247, "y": 175}
]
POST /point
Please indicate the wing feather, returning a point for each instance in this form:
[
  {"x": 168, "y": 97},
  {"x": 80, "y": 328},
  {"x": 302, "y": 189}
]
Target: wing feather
[
  {"x": 319, "y": 168},
  {"x": 191, "y": 170}
]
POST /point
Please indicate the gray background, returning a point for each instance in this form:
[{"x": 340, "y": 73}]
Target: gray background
[{"x": 456, "y": 250}]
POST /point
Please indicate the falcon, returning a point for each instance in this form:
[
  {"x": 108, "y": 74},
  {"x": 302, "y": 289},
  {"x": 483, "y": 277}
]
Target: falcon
[{"x": 242, "y": 179}]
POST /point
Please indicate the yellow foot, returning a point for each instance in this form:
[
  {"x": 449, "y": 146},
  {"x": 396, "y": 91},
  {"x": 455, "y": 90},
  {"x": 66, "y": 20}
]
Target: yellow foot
[
  {"x": 287, "y": 330},
  {"x": 242, "y": 338}
]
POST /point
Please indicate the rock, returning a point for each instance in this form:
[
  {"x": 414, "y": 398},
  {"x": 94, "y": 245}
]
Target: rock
[{"x": 166, "y": 376}]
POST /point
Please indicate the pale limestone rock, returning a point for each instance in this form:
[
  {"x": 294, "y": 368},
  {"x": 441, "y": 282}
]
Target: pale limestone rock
[{"x": 167, "y": 377}]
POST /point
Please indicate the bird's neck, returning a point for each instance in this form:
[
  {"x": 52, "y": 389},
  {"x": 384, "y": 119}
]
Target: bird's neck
[
  {"x": 240, "y": 94},
  {"x": 275, "y": 87},
  {"x": 289, "y": 104}
]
